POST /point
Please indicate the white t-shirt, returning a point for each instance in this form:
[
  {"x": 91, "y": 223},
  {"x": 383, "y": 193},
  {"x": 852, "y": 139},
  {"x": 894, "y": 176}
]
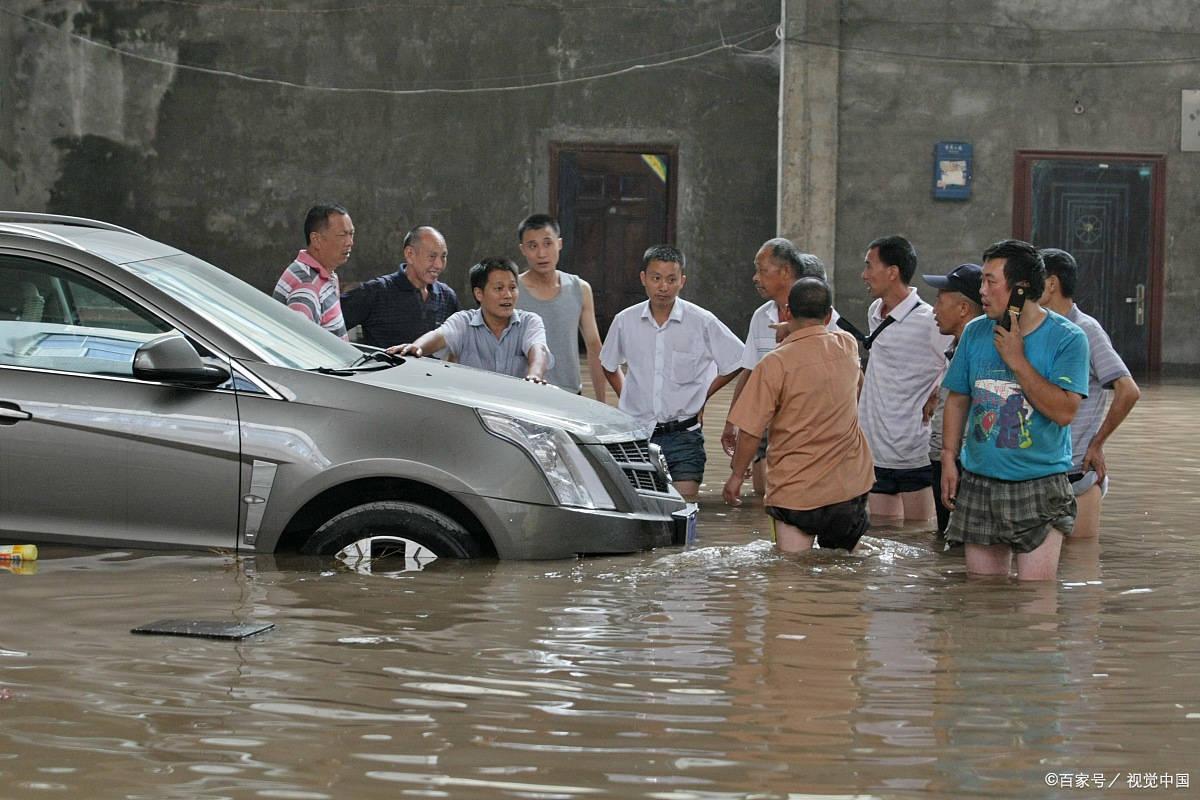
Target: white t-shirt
[{"x": 760, "y": 338}]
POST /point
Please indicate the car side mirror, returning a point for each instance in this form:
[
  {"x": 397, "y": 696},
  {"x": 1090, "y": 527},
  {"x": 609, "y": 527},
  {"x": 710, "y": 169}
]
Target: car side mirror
[{"x": 170, "y": 358}]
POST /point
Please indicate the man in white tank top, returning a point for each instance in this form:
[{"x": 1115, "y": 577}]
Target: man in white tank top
[{"x": 564, "y": 302}]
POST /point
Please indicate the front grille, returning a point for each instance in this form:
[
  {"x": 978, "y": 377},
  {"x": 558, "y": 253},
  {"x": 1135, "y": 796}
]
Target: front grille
[
  {"x": 645, "y": 481},
  {"x": 635, "y": 462},
  {"x": 630, "y": 452}
]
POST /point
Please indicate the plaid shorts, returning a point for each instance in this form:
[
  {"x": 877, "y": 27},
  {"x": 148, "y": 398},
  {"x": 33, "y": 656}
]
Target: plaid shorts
[{"x": 1019, "y": 514}]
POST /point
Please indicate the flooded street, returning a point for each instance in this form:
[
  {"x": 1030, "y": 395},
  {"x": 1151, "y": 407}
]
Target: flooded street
[{"x": 722, "y": 671}]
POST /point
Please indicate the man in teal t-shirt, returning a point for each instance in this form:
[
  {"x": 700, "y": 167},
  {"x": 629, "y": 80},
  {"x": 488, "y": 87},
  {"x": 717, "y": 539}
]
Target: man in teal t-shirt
[{"x": 1017, "y": 389}]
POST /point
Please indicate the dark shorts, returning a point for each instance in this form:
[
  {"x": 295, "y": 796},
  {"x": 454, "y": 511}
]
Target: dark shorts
[
  {"x": 684, "y": 451},
  {"x": 1019, "y": 514},
  {"x": 895, "y": 481},
  {"x": 840, "y": 525}
]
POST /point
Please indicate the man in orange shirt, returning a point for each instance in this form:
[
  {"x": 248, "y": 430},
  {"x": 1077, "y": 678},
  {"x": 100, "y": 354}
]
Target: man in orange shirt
[{"x": 819, "y": 466}]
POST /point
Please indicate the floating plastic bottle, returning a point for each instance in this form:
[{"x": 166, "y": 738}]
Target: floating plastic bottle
[{"x": 25, "y": 552}]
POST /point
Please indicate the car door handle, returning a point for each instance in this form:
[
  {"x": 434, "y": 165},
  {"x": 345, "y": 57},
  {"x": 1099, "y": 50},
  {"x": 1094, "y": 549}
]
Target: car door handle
[{"x": 11, "y": 413}]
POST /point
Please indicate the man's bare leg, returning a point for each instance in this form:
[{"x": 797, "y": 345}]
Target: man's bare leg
[
  {"x": 918, "y": 505},
  {"x": 790, "y": 539},
  {"x": 689, "y": 489},
  {"x": 1087, "y": 518},
  {"x": 988, "y": 559},
  {"x": 886, "y": 508},
  {"x": 1042, "y": 563}
]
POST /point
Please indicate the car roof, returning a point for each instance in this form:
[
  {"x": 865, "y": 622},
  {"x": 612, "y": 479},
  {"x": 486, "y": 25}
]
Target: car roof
[{"x": 110, "y": 242}]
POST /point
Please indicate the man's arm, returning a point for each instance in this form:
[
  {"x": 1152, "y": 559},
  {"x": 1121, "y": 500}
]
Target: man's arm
[
  {"x": 591, "y": 340},
  {"x": 1125, "y": 394},
  {"x": 1054, "y": 402},
  {"x": 729, "y": 435},
  {"x": 719, "y": 383},
  {"x": 930, "y": 404},
  {"x": 743, "y": 454},
  {"x": 954, "y": 417},
  {"x": 537, "y": 350},
  {"x": 615, "y": 379},
  {"x": 428, "y": 343},
  {"x": 938, "y": 342},
  {"x": 538, "y": 356}
]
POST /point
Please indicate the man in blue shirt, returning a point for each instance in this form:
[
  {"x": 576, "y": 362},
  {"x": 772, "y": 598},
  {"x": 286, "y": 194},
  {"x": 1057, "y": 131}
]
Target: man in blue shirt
[
  {"x": 1016, "y": 387},
  {"x": 404, "y": 304}
]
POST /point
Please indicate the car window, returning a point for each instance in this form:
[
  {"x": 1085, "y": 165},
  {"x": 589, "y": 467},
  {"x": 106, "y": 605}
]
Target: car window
[
  {"x": 52, "y": 318},
  {"x": 264, "y": 326}
]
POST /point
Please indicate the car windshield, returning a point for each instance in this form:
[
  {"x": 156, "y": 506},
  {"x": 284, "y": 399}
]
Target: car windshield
[{"x": 265, "y": 326}]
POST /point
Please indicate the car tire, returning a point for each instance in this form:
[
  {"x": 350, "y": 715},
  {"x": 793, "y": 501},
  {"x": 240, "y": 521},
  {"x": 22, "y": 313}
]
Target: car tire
[{"x": 394, "y": 520}]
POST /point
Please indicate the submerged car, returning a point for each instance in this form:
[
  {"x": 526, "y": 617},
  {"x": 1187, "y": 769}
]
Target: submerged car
[{"x": 148, "y": 398}]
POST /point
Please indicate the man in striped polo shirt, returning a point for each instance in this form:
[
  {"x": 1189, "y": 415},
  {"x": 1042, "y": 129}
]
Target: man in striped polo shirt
[
  {"x": 309, "y": 285},
  {"x": 1091, "y": 427},
  {"x": 900, "y": 387}
]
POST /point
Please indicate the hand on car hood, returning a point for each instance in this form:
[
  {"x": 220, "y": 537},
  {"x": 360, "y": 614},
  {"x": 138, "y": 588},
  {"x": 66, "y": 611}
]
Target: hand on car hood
[{"x": 587, "y": 419}]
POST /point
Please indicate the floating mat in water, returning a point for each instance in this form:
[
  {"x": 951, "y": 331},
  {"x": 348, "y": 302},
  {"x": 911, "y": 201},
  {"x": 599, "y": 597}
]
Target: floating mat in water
[{"x": 205, "y": 629}]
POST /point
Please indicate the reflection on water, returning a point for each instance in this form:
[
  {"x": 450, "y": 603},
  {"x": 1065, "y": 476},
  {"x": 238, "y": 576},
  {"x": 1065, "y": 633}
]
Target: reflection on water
[{"x": 724, "y": 671}]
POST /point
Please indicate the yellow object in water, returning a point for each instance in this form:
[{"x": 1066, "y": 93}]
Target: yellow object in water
[{"x": 25, "y": 552}]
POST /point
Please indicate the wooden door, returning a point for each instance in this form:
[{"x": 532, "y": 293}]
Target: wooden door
[
  {"x": 612, "y": 202},
  {"x": 1107, "y": 211}
]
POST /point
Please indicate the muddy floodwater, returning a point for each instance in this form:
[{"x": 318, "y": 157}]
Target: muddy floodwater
[{"x": 721, "y": 671}]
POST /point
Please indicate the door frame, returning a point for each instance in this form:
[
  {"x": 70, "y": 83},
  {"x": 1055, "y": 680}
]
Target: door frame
[
  {"x": 1022, "y": 223},
  {"x": 598, "y": 147}
]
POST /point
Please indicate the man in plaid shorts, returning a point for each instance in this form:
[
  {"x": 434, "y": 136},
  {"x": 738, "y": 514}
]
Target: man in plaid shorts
[{"x": 1017, "y": 388}]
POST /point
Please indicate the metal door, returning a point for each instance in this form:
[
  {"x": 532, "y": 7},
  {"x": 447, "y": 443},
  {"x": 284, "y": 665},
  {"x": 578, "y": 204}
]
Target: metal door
[
  {"x": 1107, "y": 211},
  {"x": 612, "y": 203}
]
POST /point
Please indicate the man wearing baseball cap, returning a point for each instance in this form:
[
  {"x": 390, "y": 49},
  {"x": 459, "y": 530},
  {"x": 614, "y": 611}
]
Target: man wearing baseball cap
[{"x": 957, "y": 304}]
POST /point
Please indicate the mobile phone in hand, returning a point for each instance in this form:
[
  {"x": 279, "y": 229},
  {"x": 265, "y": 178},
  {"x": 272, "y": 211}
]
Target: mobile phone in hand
[{"x": 1016, "y": 301}]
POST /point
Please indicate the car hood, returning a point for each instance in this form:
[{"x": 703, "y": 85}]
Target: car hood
[{"x": 588, "y": 420}]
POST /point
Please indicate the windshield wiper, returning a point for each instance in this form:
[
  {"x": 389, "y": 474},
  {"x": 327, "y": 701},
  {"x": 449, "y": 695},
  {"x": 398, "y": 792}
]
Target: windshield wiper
[
  {"x": 363, "y": 364},
  {"x": 387, "y": 358}
]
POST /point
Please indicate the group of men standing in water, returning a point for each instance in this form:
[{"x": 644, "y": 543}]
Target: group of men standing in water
[
  {"x": 986, "y": 408},
  {"x": 1000, "y": 424}
]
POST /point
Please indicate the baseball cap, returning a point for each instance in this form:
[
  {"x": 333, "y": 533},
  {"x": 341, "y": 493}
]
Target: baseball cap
[{"x": 965, "y": 279}]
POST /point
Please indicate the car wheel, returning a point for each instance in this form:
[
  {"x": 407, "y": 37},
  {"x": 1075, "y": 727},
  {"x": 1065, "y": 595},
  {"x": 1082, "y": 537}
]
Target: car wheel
[{"x": 391, "y": 536}]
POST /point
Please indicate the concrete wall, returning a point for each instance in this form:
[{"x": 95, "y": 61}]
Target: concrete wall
[
  {"x": 224, "y": 165},
  {"x": 916, "y": 73}
]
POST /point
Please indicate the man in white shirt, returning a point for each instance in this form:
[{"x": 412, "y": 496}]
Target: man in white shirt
[
  {"x": 678, "y": 354},
  {"x": 907, "y": 360},
  {"x": 777, "y": 266}
]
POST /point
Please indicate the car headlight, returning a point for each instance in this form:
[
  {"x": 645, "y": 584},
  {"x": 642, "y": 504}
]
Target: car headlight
[{"x": 572, "y": 479}]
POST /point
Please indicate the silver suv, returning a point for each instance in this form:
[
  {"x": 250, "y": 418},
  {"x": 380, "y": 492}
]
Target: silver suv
[{"x": 148, "y": 398}]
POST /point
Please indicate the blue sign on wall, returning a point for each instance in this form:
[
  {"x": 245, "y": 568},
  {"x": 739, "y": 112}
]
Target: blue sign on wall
[{"x": 952, "y": 171}]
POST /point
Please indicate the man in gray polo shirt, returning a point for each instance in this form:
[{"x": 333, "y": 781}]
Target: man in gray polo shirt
[
  {"x": 496, "y": 336},
  {"x": 1091, "y": 427},
  {"x": 899, "y": 390}
]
